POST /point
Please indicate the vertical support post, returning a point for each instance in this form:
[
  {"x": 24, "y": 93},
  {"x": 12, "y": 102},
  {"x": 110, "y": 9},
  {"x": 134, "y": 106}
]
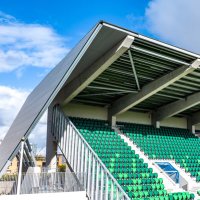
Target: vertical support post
[
  {"x": 79, "y": 159},
  {"x": 20, "y": 167},
  {"x": 68, "y": 129},
  {"x": 82, "y": 157},
  {"x": 102, "y": 184},
  {"x": 155, "y": 123},
  {"x": 86, "y": 160},
  {"x": 117, "y": 193},
  {"x": 112, "y": 191},
  {"x": 89, "y": 174},
  {"x": 93, "y": 178},
  {"x": 193, "y": 129},
  {"x": 69, "y": 142},
  {"x": 76, "y": 153},
  {"x": 51, "y": 151},
  {"x": 73, "y": 148},
  {"x": 107, "y": 185},
  {"x": 61, "y": 132},
  {"x": 112, "y": 120},
  {"x": 134, "y": 70},
  {"x": 82, "y": 174},
  {"x": 190, "y": 126},
  {"x": 97, "y": 183},
  {"x": 64, "y": 140}
]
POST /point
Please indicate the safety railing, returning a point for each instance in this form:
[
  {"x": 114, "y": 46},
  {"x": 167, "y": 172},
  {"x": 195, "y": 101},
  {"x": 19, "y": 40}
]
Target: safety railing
[
  {"x": 98, "y": 181},
  {"x": 33, "y": 183}
]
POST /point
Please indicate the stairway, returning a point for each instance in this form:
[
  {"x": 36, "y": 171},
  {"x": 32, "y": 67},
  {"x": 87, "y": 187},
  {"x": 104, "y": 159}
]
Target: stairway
[{"x": 170, "y": 185}]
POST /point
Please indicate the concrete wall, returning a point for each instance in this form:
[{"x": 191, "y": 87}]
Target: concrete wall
[
  {"x": 95, "y": 112},
  {"x": 85, "y": 111},
  {"x": 135, "y": 117},
  {"x": 179, "y": 122}
]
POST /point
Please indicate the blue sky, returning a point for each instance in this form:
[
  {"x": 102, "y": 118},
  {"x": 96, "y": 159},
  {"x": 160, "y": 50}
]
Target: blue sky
[
  {"x": 71, "y": 20},
  {"x": 74, "y": 17},
  {"x": 36, "y": 35}
]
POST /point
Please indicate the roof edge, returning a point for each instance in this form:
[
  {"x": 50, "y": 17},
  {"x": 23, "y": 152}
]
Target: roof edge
[{"x": 148, "y": 39}]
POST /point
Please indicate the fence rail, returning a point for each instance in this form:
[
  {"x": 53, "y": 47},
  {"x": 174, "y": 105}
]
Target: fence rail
[
  {"x": 98, "y": 182},
  {"x": 41, "y": 183}
]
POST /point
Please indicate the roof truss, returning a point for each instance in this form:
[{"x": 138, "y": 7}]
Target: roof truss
[
  {"x": 86, "y": 77},
  {"x": 177, "y": 107},
  {"x": 128, "y": 101}
]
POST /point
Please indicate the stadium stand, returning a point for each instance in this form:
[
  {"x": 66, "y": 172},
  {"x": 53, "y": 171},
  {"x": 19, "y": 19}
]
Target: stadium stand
[
  {"x": 115, "y": 75},
  {"x": 136, "y": 178},
  {"x": 167, "y": 143}
]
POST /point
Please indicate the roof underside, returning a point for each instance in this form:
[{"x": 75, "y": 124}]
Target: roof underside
[{"x": 151, "y": 61}]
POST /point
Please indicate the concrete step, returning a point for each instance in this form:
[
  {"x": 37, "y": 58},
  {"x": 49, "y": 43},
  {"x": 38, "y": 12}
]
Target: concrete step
[{"x": 169, "y": 184}]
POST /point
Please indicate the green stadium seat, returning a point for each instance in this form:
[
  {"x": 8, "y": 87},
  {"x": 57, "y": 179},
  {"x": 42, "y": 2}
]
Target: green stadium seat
[
  {"x": 163, "y": 143},
  {"x": 136, "y": 178}
]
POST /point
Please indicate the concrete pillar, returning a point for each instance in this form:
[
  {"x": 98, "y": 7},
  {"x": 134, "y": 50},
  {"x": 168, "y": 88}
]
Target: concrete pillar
[
  {"x": 51, "y": 145},
  {"x": 155, "y": 123},
  {"x": 193, "y": 129},
  {"x": 190, "y": 126},
  {"x": 112, "y": 120}
]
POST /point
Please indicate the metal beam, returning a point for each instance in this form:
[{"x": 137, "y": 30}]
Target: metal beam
[
  {"x": 160, "y": 56},
  {"x": 101, "y": 94},
  {"x": 86, "y": 77},
  {"x": 20, "y": 167},
  {"x": 177, "y": 106},
  {"x": 110, "y": 89},
  {"x": 126, "y": 102},
  {"x": 134, "y": 70}
]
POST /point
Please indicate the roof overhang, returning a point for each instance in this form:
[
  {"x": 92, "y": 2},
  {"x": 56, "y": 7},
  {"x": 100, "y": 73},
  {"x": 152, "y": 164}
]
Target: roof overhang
[
  {"x": 146, "y": 63},
  {"x": 109, "y": 63}
]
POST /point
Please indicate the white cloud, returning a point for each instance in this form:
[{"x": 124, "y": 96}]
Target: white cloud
[
  {"x": 11, "y": 100},
  {"x": 23, "y": 45},
  {"x": 176, "y": 22},
  {"x": 137, "y": 23}
]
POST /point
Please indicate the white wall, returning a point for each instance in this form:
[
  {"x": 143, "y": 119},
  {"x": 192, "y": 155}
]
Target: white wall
[
  {"x": 135, "y": 117},
  {"x": 95, "y": 112},
  {"x": 179, "y": 122},
  {"x": 85, "y": 111}
]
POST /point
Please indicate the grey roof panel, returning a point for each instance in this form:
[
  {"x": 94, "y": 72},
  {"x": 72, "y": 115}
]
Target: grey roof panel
[{"x": 39, "y": 100}]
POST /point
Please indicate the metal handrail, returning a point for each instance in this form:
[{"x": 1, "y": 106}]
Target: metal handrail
[{"x": 94, "y": 154}]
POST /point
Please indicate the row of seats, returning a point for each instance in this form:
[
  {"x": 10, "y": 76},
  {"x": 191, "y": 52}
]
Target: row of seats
[
  {"x": 167, "y": 143},
  {"x": 136, "y": 178}
]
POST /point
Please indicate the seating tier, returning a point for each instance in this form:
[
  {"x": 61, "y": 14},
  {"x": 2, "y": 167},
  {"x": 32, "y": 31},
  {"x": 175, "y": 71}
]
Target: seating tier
[
  {"x": 136, "y": 178},
  {"x": 167, "y": 143}
]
